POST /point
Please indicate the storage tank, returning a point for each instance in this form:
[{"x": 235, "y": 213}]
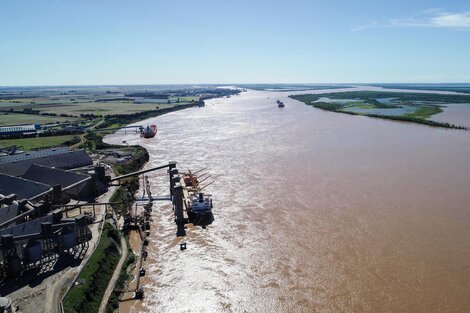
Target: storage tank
[
  {"x": 69, "y": 240},
  {"x": 5, "y": 305},
  {"x": 15, "y": 265},
  {"x": 33, "y": 251},
  {"x": 100, "y": 173}
]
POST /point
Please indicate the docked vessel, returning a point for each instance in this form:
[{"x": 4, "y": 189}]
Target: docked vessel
[
  {"x": 200, "y": 211},
  {"x": 280, "y": 104},
  {"x": 198, "y": 204},
  {"x": 201, "y": 203},
  {"x": 148, "y": 132}
]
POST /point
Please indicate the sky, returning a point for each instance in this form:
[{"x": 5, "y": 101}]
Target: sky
[{"x": 248, "y": 41}]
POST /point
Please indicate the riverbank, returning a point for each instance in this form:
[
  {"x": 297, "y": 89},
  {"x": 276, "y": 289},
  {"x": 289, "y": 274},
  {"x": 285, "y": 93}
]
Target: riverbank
[
  {"x": 92, "y": 281},
  {"x": 125, "y": 193}
]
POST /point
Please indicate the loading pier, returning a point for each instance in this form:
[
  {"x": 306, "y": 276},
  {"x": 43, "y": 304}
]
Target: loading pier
[{"x": 190, "y": 206}]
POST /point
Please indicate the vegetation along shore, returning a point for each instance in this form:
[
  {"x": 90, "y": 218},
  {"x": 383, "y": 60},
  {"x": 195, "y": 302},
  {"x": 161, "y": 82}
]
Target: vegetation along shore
[{"x": 406, "y": 107}]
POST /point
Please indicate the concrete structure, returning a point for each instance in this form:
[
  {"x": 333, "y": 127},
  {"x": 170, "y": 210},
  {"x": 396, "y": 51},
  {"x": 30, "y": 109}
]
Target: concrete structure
[
  {"x": 27, "y": 244},
  {"x": 5, "y": 305},
  {"x": 32, "y": 240}
]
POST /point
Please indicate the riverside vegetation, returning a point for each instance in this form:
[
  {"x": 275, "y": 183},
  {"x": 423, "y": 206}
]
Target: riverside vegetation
[
  {"x": 421, "y": 106},
  {"x": 93, "y": 280}
]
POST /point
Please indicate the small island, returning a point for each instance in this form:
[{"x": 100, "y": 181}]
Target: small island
[{"x": 406, "y": 107}]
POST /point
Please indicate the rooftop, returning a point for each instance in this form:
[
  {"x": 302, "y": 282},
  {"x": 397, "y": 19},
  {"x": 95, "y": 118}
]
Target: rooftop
[
  {"x": 64, "y": 160},
  {"x": 23, "y": 188},
  {"x": 33, "y": 154},
  {"x": 9, "y": 212},
  {"x": 53, "y": 176},
  {"x": 28, "y": 228}
]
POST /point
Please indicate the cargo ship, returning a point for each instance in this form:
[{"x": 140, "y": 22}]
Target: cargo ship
[
  {"x": 198, "y": 205},
  {"x": 148, "y": 132},
  {"x": 200, "y": 210}
]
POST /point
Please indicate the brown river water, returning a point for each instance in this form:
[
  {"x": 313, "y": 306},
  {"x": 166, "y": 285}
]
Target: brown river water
[{"x": 315, "y": 212}]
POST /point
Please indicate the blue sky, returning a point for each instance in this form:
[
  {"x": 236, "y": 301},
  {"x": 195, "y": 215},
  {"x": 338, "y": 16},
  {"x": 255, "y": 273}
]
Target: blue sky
[{"x": 216, "y": 41}]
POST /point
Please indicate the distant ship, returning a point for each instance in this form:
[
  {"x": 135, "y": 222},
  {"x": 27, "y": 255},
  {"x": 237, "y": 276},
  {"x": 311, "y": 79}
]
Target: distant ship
[
  {"x": 280, "y": 104},
  {"x": 148, "y": 132}
]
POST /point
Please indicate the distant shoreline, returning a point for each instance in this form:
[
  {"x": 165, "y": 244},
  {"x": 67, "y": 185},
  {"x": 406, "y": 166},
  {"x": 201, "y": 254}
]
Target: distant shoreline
[{"x": 369, "y": 100}]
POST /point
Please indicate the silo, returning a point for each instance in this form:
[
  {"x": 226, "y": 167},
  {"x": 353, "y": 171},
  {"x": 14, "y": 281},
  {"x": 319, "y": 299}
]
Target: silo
[
  {"x": 5, "y": 305},
  {"x": 100, "y": 173},
  {"x": 33, "y": 251},
  {"x": 69, "y": 239},
  {"x": 15, "y": 265}
]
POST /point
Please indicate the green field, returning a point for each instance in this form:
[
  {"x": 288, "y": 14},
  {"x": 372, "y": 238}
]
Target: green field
[
  {"x": 97, "y": 108},
  {"x": 425, "y": 112},
  {"x": 29, "y": 144},
  {"x": 15, "y": 119}
]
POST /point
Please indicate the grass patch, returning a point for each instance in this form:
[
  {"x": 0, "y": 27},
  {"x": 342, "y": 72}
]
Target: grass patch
[
  {"x": 97, "y": 108},
  {"x": 95, "y": 276},
  {"x": 124, "y": 276},
  {"x": 425, "y": 112},
  {"x": 16, "y": 119},
  {"x": 29, "y": 144}
]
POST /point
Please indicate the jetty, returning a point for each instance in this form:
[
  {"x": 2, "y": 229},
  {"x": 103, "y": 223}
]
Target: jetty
[{"x": 184, "y": 189}]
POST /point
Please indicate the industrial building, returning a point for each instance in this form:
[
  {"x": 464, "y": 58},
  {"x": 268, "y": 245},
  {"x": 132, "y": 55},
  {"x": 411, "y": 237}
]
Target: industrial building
[
  {"x": 33, "y": 154},
  {"x": 43, "y": 175},
  {"x": 62, "y": 158},
  {"x": 74, "y": 185},
  {"x": 19, "y": 129},
  {"x": 23, "y": 188},
  {"x": 34, "y": 188},
  {"x": 28, "y": 239}
]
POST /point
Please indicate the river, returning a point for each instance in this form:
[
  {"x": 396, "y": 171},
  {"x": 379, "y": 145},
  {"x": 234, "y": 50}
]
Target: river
[{"x": 315, "y": 212}]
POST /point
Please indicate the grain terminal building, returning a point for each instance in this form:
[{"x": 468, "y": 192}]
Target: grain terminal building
[
  {"x": 33, "y": 175},
  {"x": 33, "y": 188},
  {"x": 62, "y": 158}
]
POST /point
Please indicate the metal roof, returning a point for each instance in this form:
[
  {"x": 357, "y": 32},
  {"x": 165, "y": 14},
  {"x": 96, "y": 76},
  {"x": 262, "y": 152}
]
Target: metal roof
[
  {"x": 17, "y": 128},
  {"x": 28, "y": 228},
  {"x": 33, "y": 154},
  {"x": 23, "y": 188},
  {"x": 8, "y": 212},
  {"x": 53, "y": 176},
  {"x": 67, "y": 160}
]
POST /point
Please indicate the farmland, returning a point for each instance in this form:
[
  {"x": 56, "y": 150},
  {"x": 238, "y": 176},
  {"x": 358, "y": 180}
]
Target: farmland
[
  {"x": 64, "y": 112},
  {"x": 29, "y": 144},
  {"x": 13, "y": 118}
]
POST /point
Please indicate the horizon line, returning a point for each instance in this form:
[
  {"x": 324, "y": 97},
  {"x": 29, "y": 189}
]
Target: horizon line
[{"x": 234, "y": 84}]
